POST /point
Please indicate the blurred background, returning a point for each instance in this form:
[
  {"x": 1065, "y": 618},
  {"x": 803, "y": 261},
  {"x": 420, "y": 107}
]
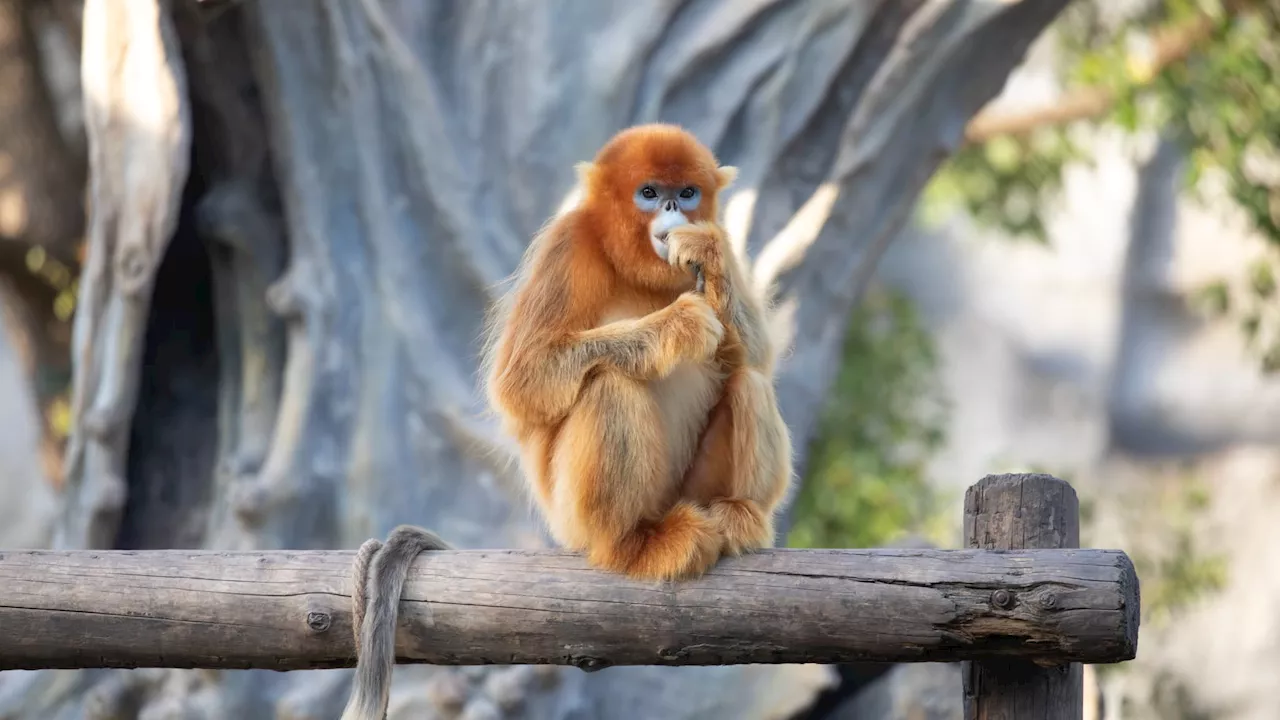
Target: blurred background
[{"x": 987, "y": 260}]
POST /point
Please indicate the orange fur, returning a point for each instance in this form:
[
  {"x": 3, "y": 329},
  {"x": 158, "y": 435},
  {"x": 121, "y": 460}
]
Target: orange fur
[{"x": 645, "y": 411}]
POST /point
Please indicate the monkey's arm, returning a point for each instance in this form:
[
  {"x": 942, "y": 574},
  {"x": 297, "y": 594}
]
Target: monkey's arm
[
  {"x": 648, "y": 347},
  {"x": 548, "y": 347},
  {"x": 746, "y": 315},
  {"x": 726, "y": 287},
  {"x": 542, "y": 383}
]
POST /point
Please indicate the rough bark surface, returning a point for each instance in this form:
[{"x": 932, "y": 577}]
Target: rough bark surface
[
  {"x": 362, "y": 174},
  {"x": 291, "y": 610}
]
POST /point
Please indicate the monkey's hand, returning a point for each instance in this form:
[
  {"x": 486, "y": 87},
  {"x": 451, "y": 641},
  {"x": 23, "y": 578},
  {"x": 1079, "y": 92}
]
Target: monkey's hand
[
  {"x": 701, "y": 244},
  {"x": 689, "y": 331},
  {"x": 701, "y": 247}
]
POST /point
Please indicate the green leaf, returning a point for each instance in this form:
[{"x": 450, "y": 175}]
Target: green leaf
[{"x": 1262, "y": 279}]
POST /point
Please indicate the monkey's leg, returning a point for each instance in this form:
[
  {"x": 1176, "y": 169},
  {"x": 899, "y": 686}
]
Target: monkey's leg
[
  {"x": 743, "y": 464},
  {"x": 613, "y": 491}
]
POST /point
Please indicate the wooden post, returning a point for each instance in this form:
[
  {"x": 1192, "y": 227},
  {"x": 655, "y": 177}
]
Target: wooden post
[{"x": 1013, "y": 512}]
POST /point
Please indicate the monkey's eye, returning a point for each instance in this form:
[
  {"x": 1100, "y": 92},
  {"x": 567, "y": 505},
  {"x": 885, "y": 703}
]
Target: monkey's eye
[
  {"x": 648, "y": 193},
  {"x": 688, "y": 193}
]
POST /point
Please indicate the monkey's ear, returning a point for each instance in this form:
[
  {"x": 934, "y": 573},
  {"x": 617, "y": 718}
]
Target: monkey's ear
[
  {"x": 584, "y": 171},
  {"x": 726, "y": 174}
]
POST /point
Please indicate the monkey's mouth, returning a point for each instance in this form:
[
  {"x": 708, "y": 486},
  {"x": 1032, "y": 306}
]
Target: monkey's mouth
[
  {"x": 659, "y": 243},
  {"x": 660, "y": 226}
]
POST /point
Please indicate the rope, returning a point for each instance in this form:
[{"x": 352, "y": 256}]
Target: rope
[{"x": 359, "y": 577}]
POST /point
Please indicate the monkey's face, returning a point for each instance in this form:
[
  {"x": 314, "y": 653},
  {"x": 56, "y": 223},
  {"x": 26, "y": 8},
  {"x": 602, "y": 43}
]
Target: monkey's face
[
  {"x": 643, "y": 183},
  {"x": 667, "y": 206}
]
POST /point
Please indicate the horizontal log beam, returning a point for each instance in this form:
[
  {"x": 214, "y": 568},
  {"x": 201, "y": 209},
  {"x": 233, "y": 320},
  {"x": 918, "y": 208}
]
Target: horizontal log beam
[{"x": 290, "y": 610}]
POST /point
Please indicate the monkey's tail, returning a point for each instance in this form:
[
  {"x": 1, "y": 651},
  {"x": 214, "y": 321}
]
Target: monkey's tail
[{"x": 376, "y": 657}]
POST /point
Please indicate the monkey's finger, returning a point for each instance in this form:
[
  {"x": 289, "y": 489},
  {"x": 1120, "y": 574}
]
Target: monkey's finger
[{"x": 699, "y": 279}]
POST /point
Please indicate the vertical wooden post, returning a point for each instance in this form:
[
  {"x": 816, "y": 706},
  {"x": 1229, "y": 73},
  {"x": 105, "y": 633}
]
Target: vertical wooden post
[{"x": 1008, "y": 512}]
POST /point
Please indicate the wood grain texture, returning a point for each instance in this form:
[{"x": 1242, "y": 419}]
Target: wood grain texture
[
  {"x": 291, "y": 610},
  {"x": 1012, "y": 512}
]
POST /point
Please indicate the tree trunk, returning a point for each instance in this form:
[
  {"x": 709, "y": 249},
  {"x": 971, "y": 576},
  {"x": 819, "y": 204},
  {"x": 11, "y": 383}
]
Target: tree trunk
[{"x": 299, "y": 212}]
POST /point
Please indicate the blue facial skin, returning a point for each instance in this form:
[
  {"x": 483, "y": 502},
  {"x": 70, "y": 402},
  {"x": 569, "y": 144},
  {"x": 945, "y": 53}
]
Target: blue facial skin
[{"x": 668, "y": 205}]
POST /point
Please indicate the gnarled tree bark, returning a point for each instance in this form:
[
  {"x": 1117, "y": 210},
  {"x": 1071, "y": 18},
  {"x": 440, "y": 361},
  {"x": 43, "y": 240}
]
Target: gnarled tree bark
[{"x": 300, "y": 212}]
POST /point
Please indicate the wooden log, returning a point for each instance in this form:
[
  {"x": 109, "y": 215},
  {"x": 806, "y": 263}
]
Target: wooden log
[
  {"x": 290, "y": 610},
  {"x": 1015, "y": 512}
]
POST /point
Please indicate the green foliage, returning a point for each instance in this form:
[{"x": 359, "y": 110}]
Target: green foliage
[
  {"x": 1205, "y": 73},
  {"x": 1178, "y": 570},
  {"x": 1180, "y": 578},
  {"x": 866, "y": 483},
  {"x": 1004, "y": 182}
]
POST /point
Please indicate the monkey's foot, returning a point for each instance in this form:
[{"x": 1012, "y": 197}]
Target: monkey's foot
[
  {"x": 683, "y": 545},
  {"x": 743, "y": 525}
]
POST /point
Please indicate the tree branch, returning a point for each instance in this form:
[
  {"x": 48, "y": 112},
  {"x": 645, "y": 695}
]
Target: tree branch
[
  {"x": 137, "y": 119},
  {"x": 1170, "y": 45}
]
